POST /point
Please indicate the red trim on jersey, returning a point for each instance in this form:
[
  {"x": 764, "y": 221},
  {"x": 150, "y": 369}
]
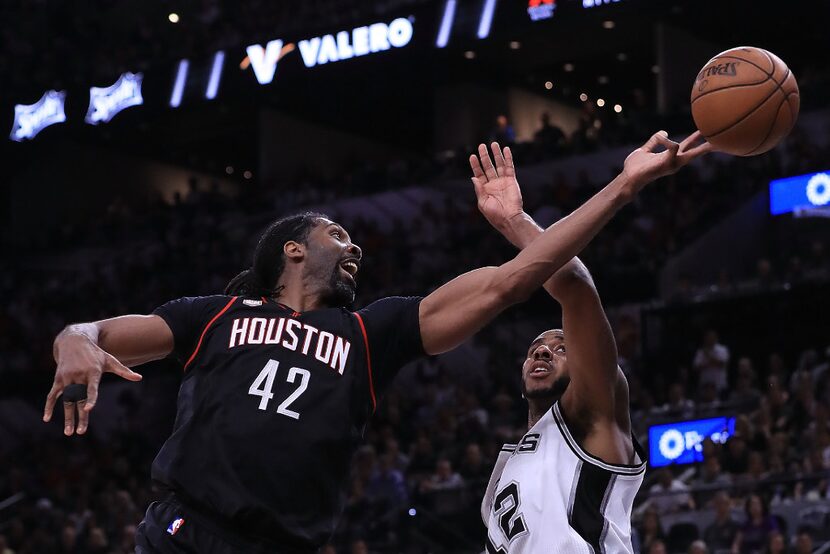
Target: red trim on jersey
[
  {"x": 264, "y": 301},
  {"x": 205, "y": 330},
  {"x": 368, "y": 362}
]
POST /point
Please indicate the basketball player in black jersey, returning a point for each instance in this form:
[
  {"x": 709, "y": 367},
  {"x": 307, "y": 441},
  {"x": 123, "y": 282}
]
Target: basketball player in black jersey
[
  {"x": 281, "y": 379},
  {"x": 578, "y": 413}
]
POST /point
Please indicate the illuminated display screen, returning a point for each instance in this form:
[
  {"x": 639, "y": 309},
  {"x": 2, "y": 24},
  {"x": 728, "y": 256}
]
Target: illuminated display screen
[
  {"x": 680, "y": 443},
  {"x": 802, "y": 191}
]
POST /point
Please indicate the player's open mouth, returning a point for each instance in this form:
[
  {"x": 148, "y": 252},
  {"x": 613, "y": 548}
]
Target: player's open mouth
[
  {"x": 540, "y": 369},
  {"x": 350, "y": 266}
]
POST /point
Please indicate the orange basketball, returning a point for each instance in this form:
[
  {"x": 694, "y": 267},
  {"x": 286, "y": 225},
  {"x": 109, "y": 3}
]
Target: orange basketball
[{"x": 745, "y": 100}]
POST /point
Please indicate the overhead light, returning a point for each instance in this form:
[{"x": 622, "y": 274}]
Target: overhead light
[
  {"x": 247, "y": 174},
  {"x": 622, "y": 56},
  {"x": 602, "y": 79},
  {"x": 469, "y": 54},
  {"x": 515, "y": 44},
  {"x": 583, "y": 97},
  {"x": 617, "y": 108},
  {"x": 655, "y": 69},
  {"x": 569, "y": 67},
  {"x": 600, "y": 102},
  {"x": 548, "y": 85},
  {"x": 608, "y": 24},
  {"x": 229, "y": 170},
  {"x": 173, "y": 17}
]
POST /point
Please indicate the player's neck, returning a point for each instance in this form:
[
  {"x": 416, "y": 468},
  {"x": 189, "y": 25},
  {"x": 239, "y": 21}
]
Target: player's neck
[
  {"x": 536, "y": 409},
  {"x": 298, "y": 297}
]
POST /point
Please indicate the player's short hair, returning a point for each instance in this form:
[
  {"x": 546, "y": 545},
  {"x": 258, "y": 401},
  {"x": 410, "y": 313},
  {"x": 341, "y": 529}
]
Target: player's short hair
[{"x": 269, "y": 260}]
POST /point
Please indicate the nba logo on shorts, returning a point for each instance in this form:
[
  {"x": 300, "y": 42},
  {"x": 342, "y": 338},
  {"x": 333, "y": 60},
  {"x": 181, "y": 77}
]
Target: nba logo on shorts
[{"x": 175, "y": 525}]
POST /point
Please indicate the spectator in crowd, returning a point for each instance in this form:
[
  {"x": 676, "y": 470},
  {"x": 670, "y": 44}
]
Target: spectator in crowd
[
  {"x": 711, "y": 360},
  {"x": 698, "y": 547},
  {"x": 745, "y": 393},
  {"x": 735, "y": 458},
  {"x": 444, "y": 478},
  {"x": 670, "y": 495},
  {"x": 721, "y": 533},
  {"x": 759, "y": 525},
  {"x": 803, "y": 541},
  {"x": 650, "y": 529},
  {"x": 776, "y": 544},
  {"x": 387, "y": 488},
  {"x": 549, "y": 138},
  {"x": 709, "y": 481},
  {"x": 657, "y": 547},
  {"x": 677, "y": 405},
  {"x": 503, "y": 132}
]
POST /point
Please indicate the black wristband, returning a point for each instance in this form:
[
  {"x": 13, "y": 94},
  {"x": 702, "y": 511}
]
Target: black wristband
[{"x": 74, "y": 393}]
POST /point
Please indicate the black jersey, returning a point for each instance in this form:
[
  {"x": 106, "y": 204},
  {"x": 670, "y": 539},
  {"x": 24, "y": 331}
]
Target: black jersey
[{"x": 273, "y": 404}]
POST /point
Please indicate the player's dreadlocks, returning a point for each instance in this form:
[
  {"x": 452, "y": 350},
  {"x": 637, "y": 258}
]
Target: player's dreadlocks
[{"x": 269, "y": 261}]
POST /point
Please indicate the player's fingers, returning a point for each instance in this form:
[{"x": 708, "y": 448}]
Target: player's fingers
[
  {"x": 68, "y": 418},
  {"x": 690, "y": 140},
  {"x": 509, "y": 168},
  {"x": 498, "y": 157},
  {"x": 83, "y": 414},
  {"x": 654, "y": 141},
  {"x": 699, "y": 150},
  {"x": 51, "y": 398},
  {"x": 84, "y": 407},
  {"x": 486, "y": 163},
  {"x": 666, "y": 142},
  {"x": 112, "y": 365},
  {"x": 476, "y": 167}
]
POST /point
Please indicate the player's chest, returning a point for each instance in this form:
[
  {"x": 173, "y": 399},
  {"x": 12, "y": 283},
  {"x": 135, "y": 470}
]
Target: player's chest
[{"x": 280, "y": 369}]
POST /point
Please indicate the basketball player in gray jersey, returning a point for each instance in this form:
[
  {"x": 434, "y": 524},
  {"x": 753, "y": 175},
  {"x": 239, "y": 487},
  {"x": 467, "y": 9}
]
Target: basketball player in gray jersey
[{"x": 569, "y": 485}]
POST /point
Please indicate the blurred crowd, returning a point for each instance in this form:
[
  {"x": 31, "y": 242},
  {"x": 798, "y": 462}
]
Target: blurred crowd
[{"x": 417, "y": 482}]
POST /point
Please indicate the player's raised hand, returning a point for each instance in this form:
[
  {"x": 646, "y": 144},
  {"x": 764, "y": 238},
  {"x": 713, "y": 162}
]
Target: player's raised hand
[
  {"x": 497, "y": 190},
  {"x": 661, "y": 156},
  {"x": 80, "y": 365}
]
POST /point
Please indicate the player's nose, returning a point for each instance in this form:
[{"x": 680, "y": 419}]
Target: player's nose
[
  {"x": 355, "y": 251},
  {"x": 542, "y": 353}
]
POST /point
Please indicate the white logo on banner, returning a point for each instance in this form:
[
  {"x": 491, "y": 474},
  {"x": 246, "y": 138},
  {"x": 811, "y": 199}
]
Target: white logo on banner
[
  {"x": 105, "y": 103},
  {"x": 30, "y": 119},
  {"x": 818, "y": 189}
]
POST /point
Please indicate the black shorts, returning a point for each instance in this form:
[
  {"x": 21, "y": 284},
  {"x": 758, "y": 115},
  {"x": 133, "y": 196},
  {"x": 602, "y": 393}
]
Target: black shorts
[{"x": 170, "y": 527}]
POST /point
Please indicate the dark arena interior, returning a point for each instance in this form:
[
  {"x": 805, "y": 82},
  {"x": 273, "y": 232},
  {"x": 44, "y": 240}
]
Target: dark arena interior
[{"x": 149, "y": 144}]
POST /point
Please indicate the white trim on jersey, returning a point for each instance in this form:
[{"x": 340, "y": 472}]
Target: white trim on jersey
[{"x": 625, "y": 469}]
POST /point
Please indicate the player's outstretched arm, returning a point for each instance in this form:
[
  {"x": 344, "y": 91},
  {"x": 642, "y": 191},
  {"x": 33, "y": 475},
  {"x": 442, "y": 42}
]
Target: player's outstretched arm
[
  {"x": 590, "y": 344},
  {"x": 458, "y": 309},
  {"x": 84, "y": 351}
]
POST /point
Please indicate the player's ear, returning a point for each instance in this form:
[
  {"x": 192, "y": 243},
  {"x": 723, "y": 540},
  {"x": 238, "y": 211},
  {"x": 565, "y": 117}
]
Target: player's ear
[{"x": 294, "y": 250}]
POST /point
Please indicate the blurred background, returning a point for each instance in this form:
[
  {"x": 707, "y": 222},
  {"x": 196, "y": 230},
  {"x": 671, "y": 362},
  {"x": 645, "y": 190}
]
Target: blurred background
[{"x": 210, "y": 118}]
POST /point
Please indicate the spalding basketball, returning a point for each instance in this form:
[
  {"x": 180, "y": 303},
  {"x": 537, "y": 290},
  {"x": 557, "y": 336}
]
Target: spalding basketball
[{"x": 745, "y": 100}]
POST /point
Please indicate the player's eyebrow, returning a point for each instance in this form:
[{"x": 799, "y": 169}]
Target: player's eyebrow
[{"x": 339, "y": 228}]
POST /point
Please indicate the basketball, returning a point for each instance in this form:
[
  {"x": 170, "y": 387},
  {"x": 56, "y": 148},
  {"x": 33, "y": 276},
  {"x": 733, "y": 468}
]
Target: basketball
[{"x": 745, "y": 100}]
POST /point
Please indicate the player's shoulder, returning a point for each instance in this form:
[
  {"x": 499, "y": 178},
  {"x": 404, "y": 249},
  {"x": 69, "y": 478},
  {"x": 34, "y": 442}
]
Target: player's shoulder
[{"x": 196, "y": 304}]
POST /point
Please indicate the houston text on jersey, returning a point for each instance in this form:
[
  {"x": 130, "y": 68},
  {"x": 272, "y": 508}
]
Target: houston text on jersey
[{"x": 293, "y": 335}]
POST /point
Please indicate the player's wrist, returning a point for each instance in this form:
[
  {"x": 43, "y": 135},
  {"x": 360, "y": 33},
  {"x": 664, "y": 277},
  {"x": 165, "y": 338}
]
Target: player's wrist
[
  {"x": 520, "y": 229},
  {"x": 626, "y": 186}
]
